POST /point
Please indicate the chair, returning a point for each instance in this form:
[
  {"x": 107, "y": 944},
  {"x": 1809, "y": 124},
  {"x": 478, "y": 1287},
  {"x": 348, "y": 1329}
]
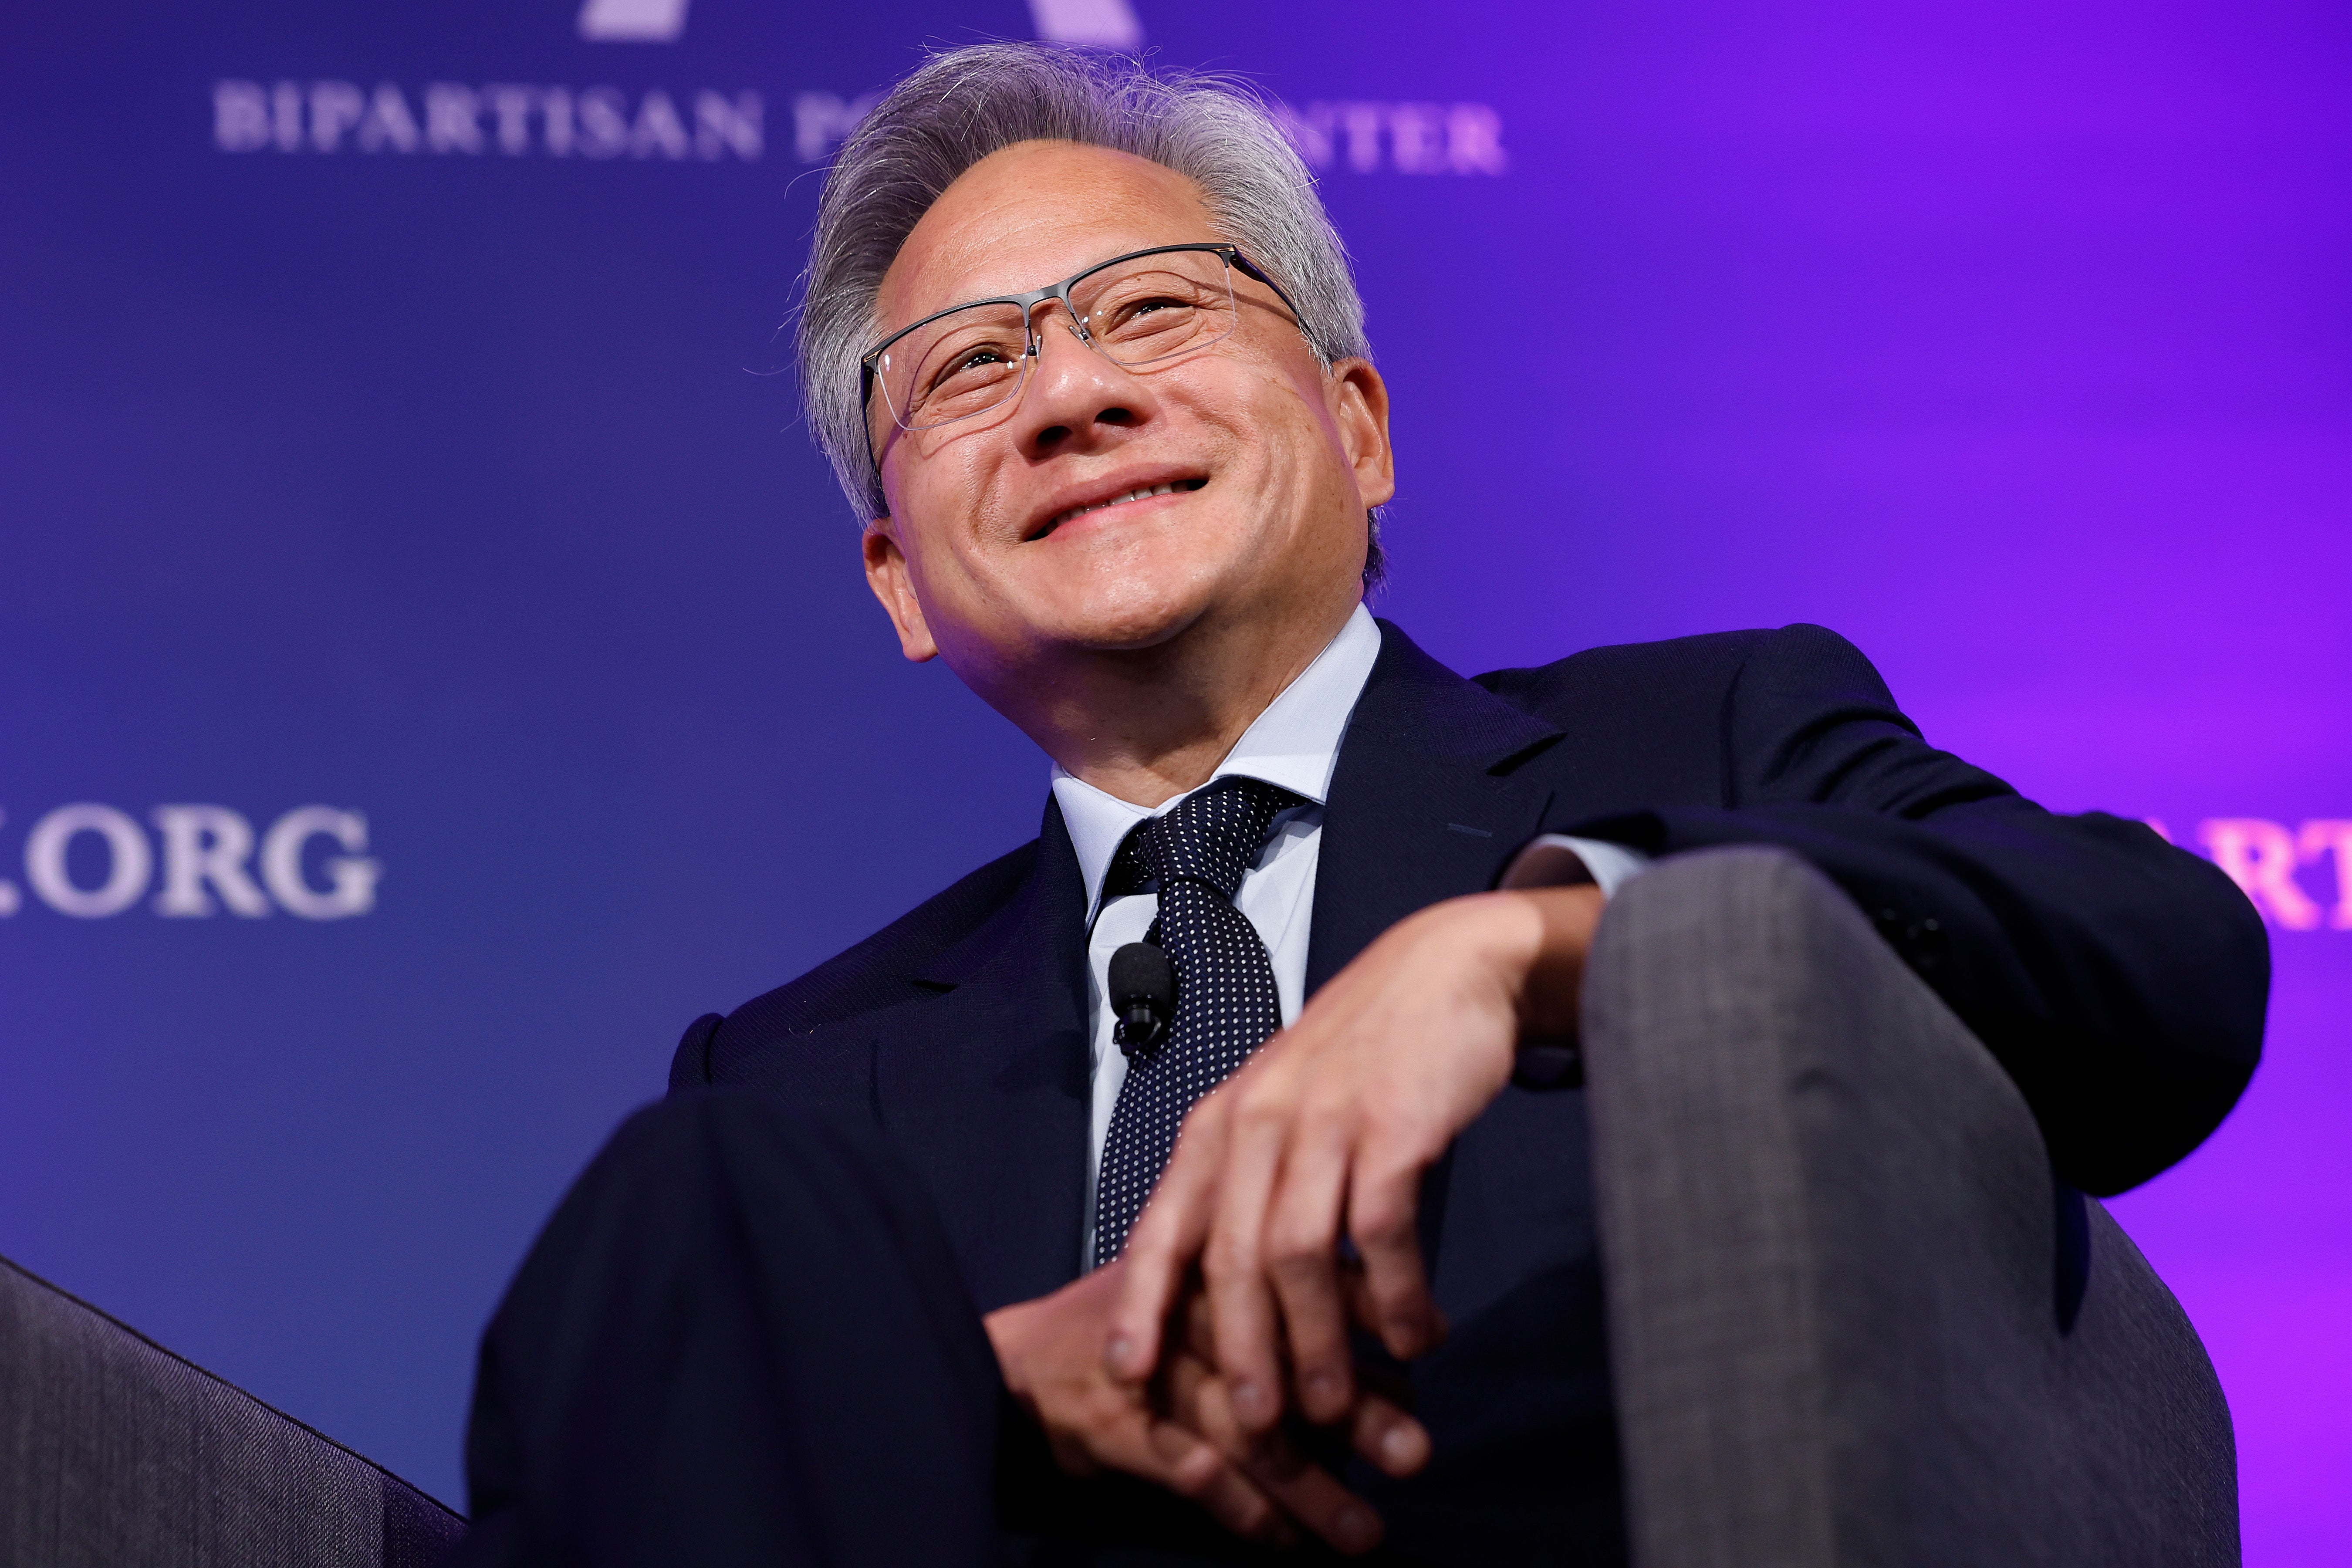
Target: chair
[
  {"x": 115, "y": 1453},
  {"x": 1853, "y": 1317}
]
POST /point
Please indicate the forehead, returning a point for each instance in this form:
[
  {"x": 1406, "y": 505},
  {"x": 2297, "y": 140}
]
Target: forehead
[{"x": 1033, "y": 212}]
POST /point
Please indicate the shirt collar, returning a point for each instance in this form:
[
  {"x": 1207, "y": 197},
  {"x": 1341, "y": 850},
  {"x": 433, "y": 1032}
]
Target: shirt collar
[{"x": 1293, "y": 743}]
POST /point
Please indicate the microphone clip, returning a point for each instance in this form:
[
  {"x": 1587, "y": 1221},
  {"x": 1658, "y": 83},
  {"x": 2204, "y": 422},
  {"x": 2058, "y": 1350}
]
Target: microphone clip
[{"x": 1142, "y": 998}]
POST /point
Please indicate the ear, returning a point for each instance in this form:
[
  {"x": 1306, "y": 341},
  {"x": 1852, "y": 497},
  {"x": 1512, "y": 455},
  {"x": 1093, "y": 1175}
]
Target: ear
[
  {"x": 1359, "y": 404},
  {"x": 893, "y": 582}
]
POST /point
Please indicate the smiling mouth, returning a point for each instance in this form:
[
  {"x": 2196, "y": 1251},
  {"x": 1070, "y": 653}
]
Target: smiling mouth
[{"x": 1141, "y": 492}]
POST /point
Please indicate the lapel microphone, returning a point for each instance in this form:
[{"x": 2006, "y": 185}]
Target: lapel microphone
[{"x": 1142, "y": 997}]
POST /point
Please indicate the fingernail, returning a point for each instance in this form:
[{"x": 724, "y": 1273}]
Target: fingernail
[
  {"x": 1401, "y": 1446},
  {"x": 1322, "y": 1387},
  {"x": 1249, "y": 1402},
  {"x": 1120, "y": 1353},
  {"x": 1355, "y": 1529}
]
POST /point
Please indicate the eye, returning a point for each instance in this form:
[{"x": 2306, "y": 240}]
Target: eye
[
  {"x": 975, "y": 359},
  {"x": 1149, "y": 316},
  {"x": 970, "y": 365}
]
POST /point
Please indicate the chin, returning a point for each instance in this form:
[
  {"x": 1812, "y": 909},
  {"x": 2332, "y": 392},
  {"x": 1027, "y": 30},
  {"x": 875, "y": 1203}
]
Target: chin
[
  {"x": 1137, "y": 615},
  {"x": 1130, "y": 625},
  {"x": 1138, "y": 602}
]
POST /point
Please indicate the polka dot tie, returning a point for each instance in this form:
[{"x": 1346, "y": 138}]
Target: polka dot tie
[{"x": 1226, "y": 1004}]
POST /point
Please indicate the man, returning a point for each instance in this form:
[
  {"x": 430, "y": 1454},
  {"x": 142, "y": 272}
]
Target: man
[{"x": 878, "y": 1282}]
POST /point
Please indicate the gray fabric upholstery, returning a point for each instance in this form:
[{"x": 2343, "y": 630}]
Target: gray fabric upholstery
[
  {"x": 1838, "y": 1265},
  {"x": 114, "y": 1453}
]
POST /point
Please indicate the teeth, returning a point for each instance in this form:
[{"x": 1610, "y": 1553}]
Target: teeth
[{"x": 1142, "y": 493}]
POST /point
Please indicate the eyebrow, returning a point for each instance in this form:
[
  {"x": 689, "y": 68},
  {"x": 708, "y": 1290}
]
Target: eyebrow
[{"x": 1231, "y": 250}]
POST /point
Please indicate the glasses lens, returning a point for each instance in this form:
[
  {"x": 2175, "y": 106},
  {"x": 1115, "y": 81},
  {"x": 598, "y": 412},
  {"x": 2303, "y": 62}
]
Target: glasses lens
[
  {"x": 966, "y": 363},
  {"x": 1155, "y": 307}
]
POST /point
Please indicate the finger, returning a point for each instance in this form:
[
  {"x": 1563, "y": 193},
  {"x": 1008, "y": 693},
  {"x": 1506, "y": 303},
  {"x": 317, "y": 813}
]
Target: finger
[
  {"x": 1382, "y": 1207},
  {"x": 1161, "y": 1247},
  {"x": 1196, "y": 1469},
  {"x": 1072, "y": 1452},
  {"x": 1364, "y": 1315},
  {"x": 1314, "y": 1497},
  {"x": 1193, "y": 1397},
  {"x": 1231, "y": 1260},
  {"x": 1305, "y": 1492},
  {"x": 1200, "y": 1327},
  {"x": 1380, "y": 1427},
  {"x": 1169, "y": 1455},
  {"x": 1384, "y": 1433},
  {"x": 1302, "y": 1235}
]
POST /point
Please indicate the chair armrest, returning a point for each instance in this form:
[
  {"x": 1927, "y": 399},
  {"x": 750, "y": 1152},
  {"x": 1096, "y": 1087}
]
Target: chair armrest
[
  {"x": 1837, "y": 1264},
  {"x": 115, "y": 1453}
]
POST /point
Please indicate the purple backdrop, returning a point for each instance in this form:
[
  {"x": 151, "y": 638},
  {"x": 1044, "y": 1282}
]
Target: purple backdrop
[{"x": 379, "y": 438}]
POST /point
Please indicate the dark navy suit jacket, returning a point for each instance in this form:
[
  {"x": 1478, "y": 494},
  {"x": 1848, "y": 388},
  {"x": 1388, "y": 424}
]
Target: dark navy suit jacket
[{"x": 2120, "y": 981}]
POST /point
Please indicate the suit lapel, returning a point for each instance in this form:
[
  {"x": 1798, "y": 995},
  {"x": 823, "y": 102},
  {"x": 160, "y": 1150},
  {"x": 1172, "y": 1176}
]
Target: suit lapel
[
  {"x": 984, "y": 1088},
  {"x": 1424, "y": 805}
]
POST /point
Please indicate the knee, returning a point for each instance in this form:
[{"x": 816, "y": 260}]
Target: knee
[
  {"x": 697, "y": 1134},
  {"x": 686, "y": 1121},
  {"x": 674, "y": 1185},
  {"x": 704, "y": 1149}
]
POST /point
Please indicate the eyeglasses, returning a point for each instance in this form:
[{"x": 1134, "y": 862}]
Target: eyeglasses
[{"x": 1143, "y": 307}]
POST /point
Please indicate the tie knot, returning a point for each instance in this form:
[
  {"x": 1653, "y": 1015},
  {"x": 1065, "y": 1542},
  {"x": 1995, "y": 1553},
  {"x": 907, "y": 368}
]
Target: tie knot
[{"x": 1211, "y": 836}]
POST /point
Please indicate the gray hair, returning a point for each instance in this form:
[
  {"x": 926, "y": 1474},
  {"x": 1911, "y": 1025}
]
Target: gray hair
[{"x": 963, "y": 104}]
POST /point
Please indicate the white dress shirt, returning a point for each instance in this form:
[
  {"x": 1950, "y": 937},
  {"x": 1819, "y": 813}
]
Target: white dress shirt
[{"x": 1293, "y": 744}]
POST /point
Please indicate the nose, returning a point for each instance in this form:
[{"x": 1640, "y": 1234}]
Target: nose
[{"x": 1077, "y": 399}]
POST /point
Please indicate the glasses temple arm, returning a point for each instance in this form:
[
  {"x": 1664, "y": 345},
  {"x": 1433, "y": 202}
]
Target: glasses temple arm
[{"x": 1254, "y": 271}]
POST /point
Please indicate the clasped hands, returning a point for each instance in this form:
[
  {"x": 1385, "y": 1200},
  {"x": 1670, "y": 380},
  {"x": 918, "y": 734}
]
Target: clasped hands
[{"x": 1226, "y": 1319}]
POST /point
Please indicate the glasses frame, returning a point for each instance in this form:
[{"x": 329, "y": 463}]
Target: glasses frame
[{"x": 1229, "y": 254}]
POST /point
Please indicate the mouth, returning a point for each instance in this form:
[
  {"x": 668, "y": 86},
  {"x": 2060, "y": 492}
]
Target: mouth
[{"x": 1135, "y": 493}]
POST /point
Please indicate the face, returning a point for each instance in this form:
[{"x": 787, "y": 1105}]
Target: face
[{"x": 1008, "y": 545}]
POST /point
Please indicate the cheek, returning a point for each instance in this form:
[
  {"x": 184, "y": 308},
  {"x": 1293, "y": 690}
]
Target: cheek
[
  {"x": 1276, "y": 421},
  {"x": 947, "y": 487},
  {"x": 955, "y": 577}
]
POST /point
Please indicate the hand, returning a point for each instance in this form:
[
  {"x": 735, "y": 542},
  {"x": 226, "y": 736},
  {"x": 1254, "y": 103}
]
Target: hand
[
  {"x": 1179, "y": 1430},
  {"x": 1331, "y": 1124}
]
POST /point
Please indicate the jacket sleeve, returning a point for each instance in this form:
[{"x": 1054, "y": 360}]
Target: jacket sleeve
[{"x": 2120, "y": 981}]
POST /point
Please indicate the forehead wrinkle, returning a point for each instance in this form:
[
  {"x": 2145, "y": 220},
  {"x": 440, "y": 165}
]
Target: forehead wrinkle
[{"x": 1052, "y": 198}]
